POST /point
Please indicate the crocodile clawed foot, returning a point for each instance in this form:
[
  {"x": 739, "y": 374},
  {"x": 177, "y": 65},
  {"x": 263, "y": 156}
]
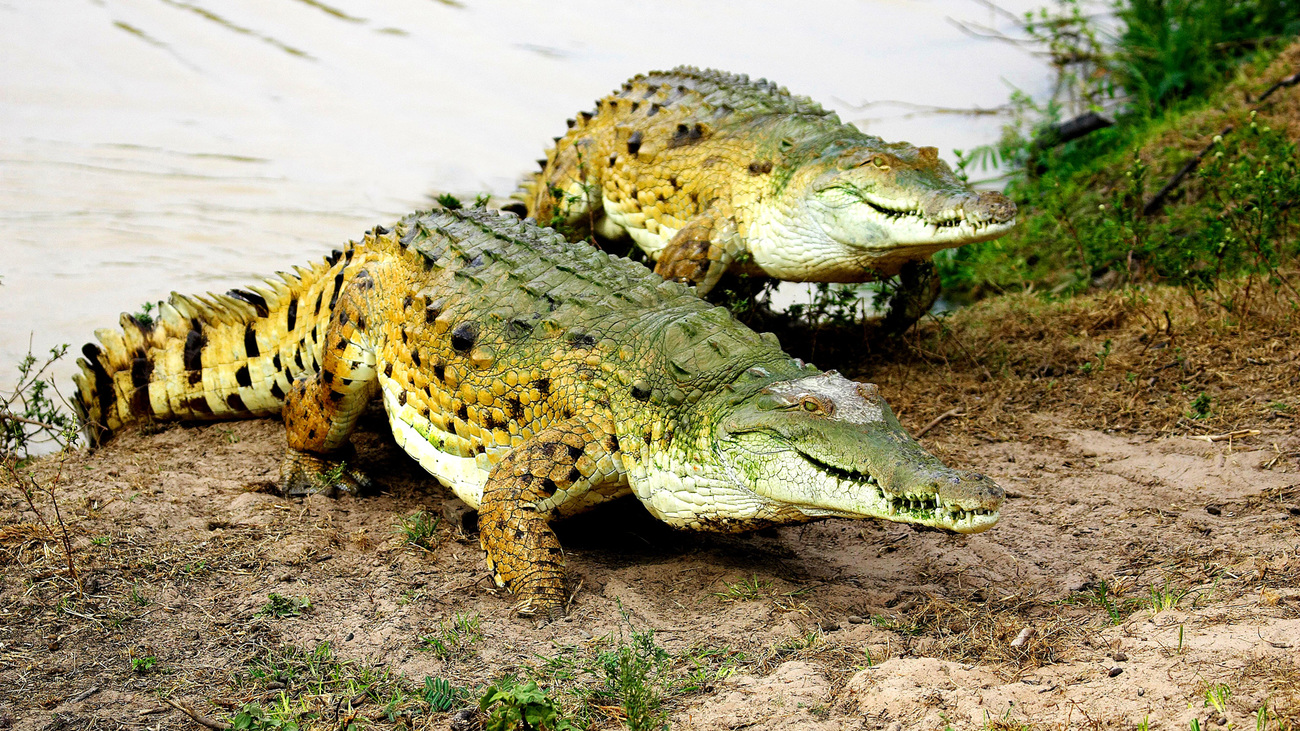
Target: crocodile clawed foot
[
  {"x": 546, "y": 609},
  {"x": 304, "y": 473}
]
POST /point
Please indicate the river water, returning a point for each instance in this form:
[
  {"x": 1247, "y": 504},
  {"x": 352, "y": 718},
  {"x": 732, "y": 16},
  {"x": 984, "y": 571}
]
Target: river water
[{"x": 148, "y": 146}]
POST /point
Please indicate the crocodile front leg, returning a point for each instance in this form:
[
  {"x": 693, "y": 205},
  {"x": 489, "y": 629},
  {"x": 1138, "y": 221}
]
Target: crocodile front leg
[
  {"x": 699, "y": 253},
  {"x": 321, "y": 409},
  {"x": 558, "y": 464},
  {"x": 918, "y": 288}
]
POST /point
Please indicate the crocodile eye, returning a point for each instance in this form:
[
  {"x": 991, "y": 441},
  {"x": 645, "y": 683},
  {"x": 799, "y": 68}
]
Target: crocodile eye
[
  {"x": 814, "y": 405},
  {"x": 879, "y": 161}
]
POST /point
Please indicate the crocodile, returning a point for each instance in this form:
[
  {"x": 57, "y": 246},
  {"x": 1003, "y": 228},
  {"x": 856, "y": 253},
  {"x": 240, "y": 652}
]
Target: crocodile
[
  {"x": 535, "y": 378},
  {"x": 708, "y": 171}
]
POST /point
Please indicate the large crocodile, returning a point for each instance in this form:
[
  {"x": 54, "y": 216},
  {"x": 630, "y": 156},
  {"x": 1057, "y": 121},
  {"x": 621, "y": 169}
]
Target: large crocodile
[
  {"x": 536, "y": 378},
  {"x": 709, "y": 171}
]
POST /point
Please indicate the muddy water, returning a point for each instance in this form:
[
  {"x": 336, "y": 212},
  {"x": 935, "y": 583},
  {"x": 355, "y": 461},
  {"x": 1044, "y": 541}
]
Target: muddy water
[{"x": 156, "y": 145}]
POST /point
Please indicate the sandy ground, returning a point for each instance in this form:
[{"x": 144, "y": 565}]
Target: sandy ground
[{"x": 1137, "y": 575}]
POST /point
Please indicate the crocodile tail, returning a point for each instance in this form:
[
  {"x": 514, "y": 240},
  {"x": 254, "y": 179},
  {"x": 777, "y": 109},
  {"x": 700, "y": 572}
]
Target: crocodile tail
[{"x": 218, "y": 356}]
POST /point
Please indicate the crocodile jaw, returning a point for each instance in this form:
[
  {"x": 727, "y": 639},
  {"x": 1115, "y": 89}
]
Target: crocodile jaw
[{"x": 848, "y": 456}]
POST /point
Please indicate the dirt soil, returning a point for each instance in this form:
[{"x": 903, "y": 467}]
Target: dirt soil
[{"x": 1146, "y": 569}]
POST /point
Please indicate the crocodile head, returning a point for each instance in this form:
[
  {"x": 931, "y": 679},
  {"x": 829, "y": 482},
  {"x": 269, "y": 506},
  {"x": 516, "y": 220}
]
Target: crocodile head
[
  {"x": 877, "y": 205},
  {"x": 827, "y": 446}
]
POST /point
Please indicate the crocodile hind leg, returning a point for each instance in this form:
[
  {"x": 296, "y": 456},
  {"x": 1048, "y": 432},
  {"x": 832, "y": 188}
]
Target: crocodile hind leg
[
  {"x": 918, "y": 288},
  {"x": 699, "y": 253},
  {"x": 523, "y": 491},
  {"x": 321, "y": 409}
]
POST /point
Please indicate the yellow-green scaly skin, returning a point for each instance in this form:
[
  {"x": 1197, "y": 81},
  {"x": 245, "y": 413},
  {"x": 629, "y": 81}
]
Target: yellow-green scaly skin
[
  {"x": 709, "y": 171},
  {"x": 536, "y": 378}
]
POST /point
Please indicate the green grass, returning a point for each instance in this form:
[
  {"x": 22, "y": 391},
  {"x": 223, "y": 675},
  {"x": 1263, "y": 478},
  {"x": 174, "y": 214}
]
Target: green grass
[
  {"x": 282, "y": 607},
  {"x": 454, "y": 637},
  {"x": 419, "y": 529}
]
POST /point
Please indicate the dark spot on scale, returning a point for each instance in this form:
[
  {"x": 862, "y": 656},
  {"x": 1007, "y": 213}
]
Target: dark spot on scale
[
  {"x": 612, "y": 160},
  {"x": 250, "y": 342},
  {"x": 574, "y": 475},
  {"x": 320, "y": 297},
  {"x": 195, "y": 377},
  {"x": 543, "y": 386},
  {"x": 490, "y": 422},
  {"x": 292, "y": 317},
  {"x": 347, "y": 254},
  {"x": 407, "y": 301},
  {"x": 381, "y": 231},
  {"x": 574, "y": 452},
  {"x": 548, "y": 487},
  {"x": 462, "y": 412},
  {"x": 275, "y": 363},
  {"x": 480, "y": 449},
  {"x": 518, "y": 328},
  {"x": 647, "y": 438},
  {"x": 516, "y": 408},
  {"x": 235, "y": 402},
  {"x": 640, "y": 391},
  {"x": 431, "y": 312},
  {"x": 570, "y": 122},
  {"x": 653, "y": 110},
  {"x": 687, "y": 134},
  {"x": 336, "y": 396},
  {"x": 194, "y": 342},
  {"x": 256, "y": 300},
  {"x": 635, "y": 105},
  {"x": 415, "y": 357},
  {"x": 338, "y": 285},
  {"x": 611, "y": 443},
  {"x": 363, "y": 281},
  {"x": 476, "y": 262},
  {"x": 361, "y": 322},
  {"x": 297, "y": 360},
  {"x": 243, "y": 378},
  {"x": 334, "y": 257},
  {"x": 582, "y": 341},
  {"x": 401, "y": 398},
  {"x": 388, "y": 370},
  {"x": 198, "y": 405},
  {"x": 276, "y": 391},
  {"x": 673, "y": 182},
  {"x": 760, "y": 167},
  {"x": 140, "y": 405},
  {"x": 586, "y": 116},
  {"x": 344, "y": 317},
  {"x": 428, "y": 261},
  {"x": 440, "y": 370},
  {"x": 541, "y": 164},
  {"x": 463, "y": 337},
  {"x": 311, "y": 433},
  {"x": 141, "y": 369},
  {"x": 327, "y": 376},
  {"x": 634, "y": 143}
]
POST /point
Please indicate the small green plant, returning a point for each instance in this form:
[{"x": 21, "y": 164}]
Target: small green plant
[
  {"x": 1216, "y": 697},
  {"x": 634, "y": 675},
  {"x": 746, "y": 590},
  {"x": 453, "y": 637},
  {"x": 28, "y": 414},
  {"x": 514, "y": 707},
  {"x": 281, "y": 607},
  {"x": 145, "y": 314},
  {"x": 1166, "y": 597},
  {"x": 441, "y": 695},
  {"x": 252, "y": 717},
  {"x": 449, "y": 201},
  {"x": 144, "y": 665},
  {"x": 419, "y": 528},
  {"x": 1200, "y": 406},
  {"x": 333, "y": 476},
  {"x": 100, "y": 541}
]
